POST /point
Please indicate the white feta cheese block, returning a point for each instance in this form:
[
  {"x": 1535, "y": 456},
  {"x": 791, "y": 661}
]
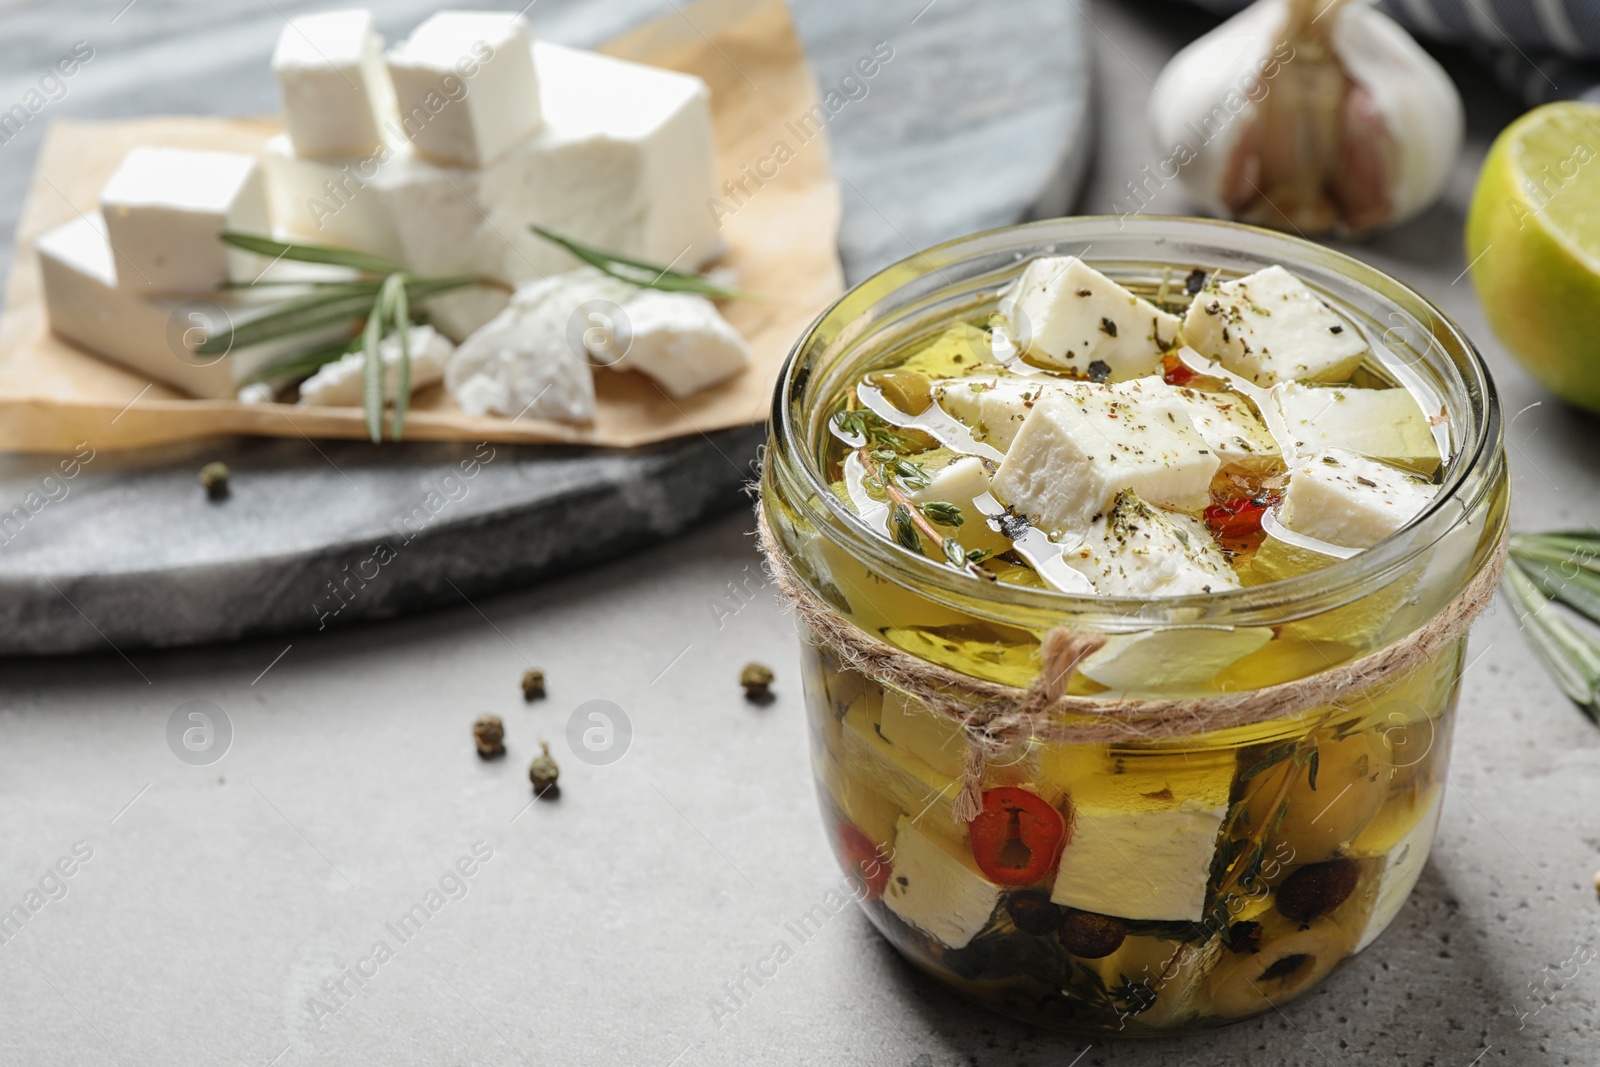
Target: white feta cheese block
[
  {"x": 928, "y": 795},
  {"x": 1401, "y": 870},
  {"x": 465, "y": 86},
  {"x": 1233, "y": 432},
  {"x": 935, "y": 738},
  {"x": 1385, "y": 424},
  {"x": 679, "y": 340},
  {"x": 1134, "y": 549},
  {"x": 334, "y": 86},
  {"x": 1346, "y": 499},
  {"x": 164, "y": 208},
  {"x": 960, "y": 482},
  {"x": 530, "y": 359},
  {"x": 994, "y": 406},
  {"x": 155, "y": 335},
  {"x": 625, "y": 163},
  {"x": 1075, "y": 452},
  {"x": 1169, "y": 660},
  {"x": 343, "y": 203},
  {"x": 936, "y": 887},
  {"x": 1138, "y": 864},
  {"x": 1066, "y": 314},
  {"x": 1270, "y": 327},
  {"x": 341, "y": 383}
]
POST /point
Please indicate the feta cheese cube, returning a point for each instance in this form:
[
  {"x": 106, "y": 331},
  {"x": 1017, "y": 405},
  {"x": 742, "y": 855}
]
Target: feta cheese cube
[
  {"x": 1065, "y": 313},
  {"x": 530, "y": 358},
  {"x": 1239, "y": 440},
  {"x": 936, "y": 887},
  {"x": 936, "y": 739},
  {"x": 960, "y": 482},
  {"x": 1075, "y": 452},
  {"x": 625, "y": 162},
  {"x": 1139, "y": 864},
  {"x": 1385, "y": 424},
  {"x": 335, "y": 89},
  {"x": 1401, "y": 869},
  {"x": 343, "y": 203},
  {"x": 994, "y": 407},
  {"x": 898, "y": 773},
  {"x": 164, "y": 208},
  {"x": 677, "y": 339},
  {"x": 1270, "y": 327},
  {"x": 1346, "y": 499},
  {"x": 341, "y": 383},
  {"x": 1138, "y": 550},
  {"x": 155, "y": 336},
  {"x": 465, "y": 86},
  {"x": 1168, "y": 660}
]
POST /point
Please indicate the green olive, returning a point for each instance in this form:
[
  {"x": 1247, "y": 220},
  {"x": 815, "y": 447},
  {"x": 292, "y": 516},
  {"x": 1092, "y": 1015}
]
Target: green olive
[{"x": 907, "y": 390}]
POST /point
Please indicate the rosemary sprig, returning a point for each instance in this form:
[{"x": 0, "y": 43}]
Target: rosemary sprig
[
  {"x": 381, "y": 303},
  {"x": 881, "y": 448},
  {"x": 1564, "y": 567},
  {"x": 640, "y": 273}
]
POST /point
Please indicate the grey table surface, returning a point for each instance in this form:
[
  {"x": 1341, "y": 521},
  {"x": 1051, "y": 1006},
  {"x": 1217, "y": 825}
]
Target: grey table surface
[{"x": 227, "y": 911}]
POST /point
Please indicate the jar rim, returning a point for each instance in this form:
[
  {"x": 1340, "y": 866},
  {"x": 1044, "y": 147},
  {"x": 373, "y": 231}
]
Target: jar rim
[{"x": 1471, "y": 473}]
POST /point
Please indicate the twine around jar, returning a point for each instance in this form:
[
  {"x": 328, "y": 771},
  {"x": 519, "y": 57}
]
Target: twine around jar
[{"x": 996, "y": 717}]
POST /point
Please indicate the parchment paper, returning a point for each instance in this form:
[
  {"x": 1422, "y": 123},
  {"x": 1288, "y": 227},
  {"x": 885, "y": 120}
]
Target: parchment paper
[{"x": 781, "y": 244}]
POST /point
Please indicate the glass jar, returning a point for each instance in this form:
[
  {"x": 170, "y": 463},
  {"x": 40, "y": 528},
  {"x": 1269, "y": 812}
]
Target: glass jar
[{"x": 1205, "y": 878}]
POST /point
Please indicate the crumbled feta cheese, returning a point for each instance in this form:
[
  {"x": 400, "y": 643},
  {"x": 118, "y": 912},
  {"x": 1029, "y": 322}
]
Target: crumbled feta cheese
[
  {"x": 1065, "y": 313},
  {"x": 935, "y": 886},
  {"x": 1270, "y": 327},
  {"x": 164, "y": 208},
  {"x": 1385, "y": 424},
  {"x": 335, "y": 90},
  {"x": 678, "y": 339},
  {"x": 465, "y": 86},
  {"x": 1074, "y": 453},
  {"x": 341, "y": 382},
  {"x": 530, "y": 358},
  {"x": 1135, "y": 549},
  {"x": 1346, "y": 499}
]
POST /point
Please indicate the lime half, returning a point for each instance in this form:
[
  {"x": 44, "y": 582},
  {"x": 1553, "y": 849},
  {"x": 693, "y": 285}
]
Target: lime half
[{"x": 1533, "y": 243}]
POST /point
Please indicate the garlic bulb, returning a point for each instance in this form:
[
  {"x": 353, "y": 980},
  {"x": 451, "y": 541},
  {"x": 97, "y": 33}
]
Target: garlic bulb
[{"x": 1312, "y": 115}]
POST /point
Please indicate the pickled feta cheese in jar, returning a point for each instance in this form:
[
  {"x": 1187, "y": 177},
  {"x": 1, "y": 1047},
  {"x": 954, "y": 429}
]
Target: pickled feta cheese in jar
[{"x": 1136, "y": 559}]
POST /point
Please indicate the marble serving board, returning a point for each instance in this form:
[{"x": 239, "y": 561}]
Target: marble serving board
[{"x": 969, "y": 125}]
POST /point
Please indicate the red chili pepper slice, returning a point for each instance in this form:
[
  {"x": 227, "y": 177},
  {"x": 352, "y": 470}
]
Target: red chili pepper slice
[
  {"x": 1235, "y": 520},
  {"x": 1017, "y": 838},
  {"x": 1175, "y": 371},
  {"x": 862, "y": 858}
]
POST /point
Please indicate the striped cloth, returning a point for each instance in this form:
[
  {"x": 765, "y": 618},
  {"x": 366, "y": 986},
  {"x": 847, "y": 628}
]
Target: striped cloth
[{"x": 1541, "y": 50}]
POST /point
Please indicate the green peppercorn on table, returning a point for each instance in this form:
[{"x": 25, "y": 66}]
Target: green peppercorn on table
[{"x": 327, "y": 873}]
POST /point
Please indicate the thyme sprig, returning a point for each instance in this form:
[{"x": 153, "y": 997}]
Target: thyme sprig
[
  {"x": 641, "y": 273},
  {"x": 881, "y": 448},
  {"x": 1564, "y": 568},
  {"x": 381, "y": 302}
]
